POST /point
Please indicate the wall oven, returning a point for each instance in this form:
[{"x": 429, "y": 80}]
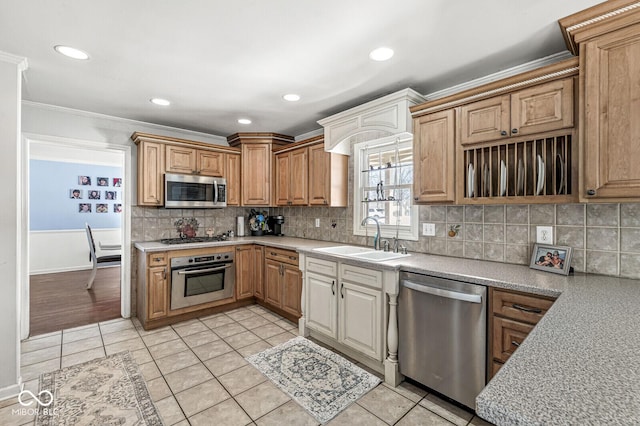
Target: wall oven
[
  {"x": 193, "y": 191},
  {"x": 201, "y": 279}
]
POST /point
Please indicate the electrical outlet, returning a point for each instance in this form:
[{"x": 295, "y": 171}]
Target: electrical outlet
[
  {"x": 544, "y": 234},
  {"x": 317, "y": 223},
  {"x": 429, "y": 229}
]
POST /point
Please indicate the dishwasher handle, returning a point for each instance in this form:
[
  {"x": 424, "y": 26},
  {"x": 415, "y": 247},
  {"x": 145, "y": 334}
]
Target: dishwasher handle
[{"x": 465, "y": 297}]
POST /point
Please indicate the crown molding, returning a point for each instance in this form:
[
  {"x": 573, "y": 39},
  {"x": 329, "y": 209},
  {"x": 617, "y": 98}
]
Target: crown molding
[
  {"x": 509, "y": 72},
  {"x": 90, "y": 114},
  {"x": 20, "y": 61},
  {"x": 311, "y": 134}
]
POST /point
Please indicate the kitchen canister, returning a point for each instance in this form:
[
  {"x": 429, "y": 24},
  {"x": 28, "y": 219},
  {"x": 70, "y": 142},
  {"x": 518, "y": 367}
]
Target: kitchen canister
[{"x": 240, "y": 230}]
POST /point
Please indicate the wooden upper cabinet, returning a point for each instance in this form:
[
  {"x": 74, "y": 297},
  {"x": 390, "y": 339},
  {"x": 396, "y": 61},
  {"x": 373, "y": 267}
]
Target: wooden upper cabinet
[
  {"x": 150, "y": 173},
  {"x": 233, "y": 179},
  {"x": 537, "y": 109},
  {"x": 484, "y": 120},
  {"x": 611, "y": 111},
  {"x": 210, "y": 163},
  {"x": 256, "y": 170},
  {"x": 327, "y": 177},
  {"x": 433, "y": 153},
  {"x": 181, "y": 159},
  {"x": 256, "y": 174},
  {"x": 292, "y": 171}
]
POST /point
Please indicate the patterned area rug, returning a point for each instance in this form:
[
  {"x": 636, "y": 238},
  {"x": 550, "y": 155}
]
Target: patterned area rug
[
  {"x": 321, "y": 381},
  {"x": 105, "y": 391}
]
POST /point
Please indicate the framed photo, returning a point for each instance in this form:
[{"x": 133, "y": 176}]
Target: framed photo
[
  {"x": 117, "y": 182},
  {"x": 102, "y": 208},
  {"x": 84, "y": 207},
  {"x": 556, "y": 259},
  {"x": 84, "y": 180},
  {"x": 75, "y": 193},
  {"x": 117, "y": 208},
  {"x": 110, "y": 195},
  {"x": 103, "y": 181},
  {"x": 94, "y": 195}
]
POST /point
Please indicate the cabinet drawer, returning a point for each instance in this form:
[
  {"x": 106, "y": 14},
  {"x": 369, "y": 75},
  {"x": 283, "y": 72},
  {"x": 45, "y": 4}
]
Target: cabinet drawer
[
  {"x": 284, "y": 256},
  {"x": 507, "y": 337},
  {"x": 355, "y": 274},
  {"x": 157, "y": 259},
  {"x": 520, "y": 307},
  {"x": 321, "y": 266}
]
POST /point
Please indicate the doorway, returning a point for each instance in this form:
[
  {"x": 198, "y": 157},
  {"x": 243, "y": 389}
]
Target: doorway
[{"x": 54, "y": 296}]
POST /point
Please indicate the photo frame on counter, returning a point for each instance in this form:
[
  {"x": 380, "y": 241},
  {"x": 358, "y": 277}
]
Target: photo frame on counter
[{"x": 549, "y": 258}]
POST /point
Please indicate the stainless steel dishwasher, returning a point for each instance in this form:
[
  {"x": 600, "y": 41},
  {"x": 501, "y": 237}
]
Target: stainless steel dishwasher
[{"x": 443, "y": 334}]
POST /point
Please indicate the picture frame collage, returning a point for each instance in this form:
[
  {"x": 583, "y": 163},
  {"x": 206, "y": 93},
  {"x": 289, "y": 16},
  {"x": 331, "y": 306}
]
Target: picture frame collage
[{"x": 103, "y": 196}]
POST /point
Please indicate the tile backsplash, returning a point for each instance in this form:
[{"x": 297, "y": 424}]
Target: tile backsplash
[{"x": 605, "y": 237}]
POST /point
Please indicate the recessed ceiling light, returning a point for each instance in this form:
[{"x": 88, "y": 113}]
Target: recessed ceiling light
[
  {"x": 381, "y": 54},
  {"x": 291, "y": 97},
  {"x": 160, "y": 101},
  {"x": 244, "y": 121},
  {"x": 71, "y": 52}
]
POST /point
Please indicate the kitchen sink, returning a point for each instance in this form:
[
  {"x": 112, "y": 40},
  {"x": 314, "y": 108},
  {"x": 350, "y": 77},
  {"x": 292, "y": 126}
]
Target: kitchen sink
[
  {"x": 379, "y": 255},
  {"x": 345, "y": 250},
  {"x": 363, "y": 253}
]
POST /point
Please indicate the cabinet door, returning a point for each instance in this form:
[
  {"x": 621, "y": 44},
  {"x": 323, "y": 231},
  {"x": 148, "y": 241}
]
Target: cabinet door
[
  {"x": 258, "y": 271},
  {"x": 611, "y": 137},
  {"x": 157, "y": 293},
  {"x": 150, "y": 174},
  {"x": 321, "y": 304},
  {"x": 291, "y": 290},
  {"x": 244, "y": 272},
  {"x": 542, "y": 108},
  {"x": 360, "y": 313},
  {"x": 299, "y": 178},
  {"x": 283, "y": 172},
  {"x": 181, "y": 159},
  {"x": 256, "y": 174},
  {"x": 233, "y": 179},
  {"x": 210, "y": 163},
  {"x": 485, "y": 120},
  {"x": 272, "y": 283},
  {"x": 433, "y": 151},
  {"x": 319, "y": 175},
  {"x": 507, "y": 337}
]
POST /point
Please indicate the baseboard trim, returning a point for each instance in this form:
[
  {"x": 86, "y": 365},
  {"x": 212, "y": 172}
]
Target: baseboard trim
[
  {"x": 10, "y": 391},
  {"x": 57, "y": 270}
]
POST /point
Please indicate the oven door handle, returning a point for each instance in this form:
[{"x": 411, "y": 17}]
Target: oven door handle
[{"x": 200, "y": 271}]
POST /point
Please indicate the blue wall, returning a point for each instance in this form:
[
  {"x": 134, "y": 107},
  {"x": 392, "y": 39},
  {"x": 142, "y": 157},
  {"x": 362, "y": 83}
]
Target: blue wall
[{"x": 51, "y": 206}]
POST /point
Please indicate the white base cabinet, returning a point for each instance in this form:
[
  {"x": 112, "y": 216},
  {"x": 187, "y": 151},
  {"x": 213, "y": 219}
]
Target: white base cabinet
[{"x": 345, "y": 302}]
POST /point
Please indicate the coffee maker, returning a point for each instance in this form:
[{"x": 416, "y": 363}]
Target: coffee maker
[{"x": 275, "y": 225}]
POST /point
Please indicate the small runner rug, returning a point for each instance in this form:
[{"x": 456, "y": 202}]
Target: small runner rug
[
  {"x": 105, "y": 391},
  {"x": 319, "y": 380}
]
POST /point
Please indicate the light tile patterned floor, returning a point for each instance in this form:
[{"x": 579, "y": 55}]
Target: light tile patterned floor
[{"x": 196, "y": 374}]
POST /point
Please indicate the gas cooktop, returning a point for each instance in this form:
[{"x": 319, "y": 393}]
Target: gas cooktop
[{"x": 211, "y": 239}]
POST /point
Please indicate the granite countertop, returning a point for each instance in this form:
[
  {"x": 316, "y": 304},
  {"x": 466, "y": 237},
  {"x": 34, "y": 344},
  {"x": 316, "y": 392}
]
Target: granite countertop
[{"x": 579, "y": 365}]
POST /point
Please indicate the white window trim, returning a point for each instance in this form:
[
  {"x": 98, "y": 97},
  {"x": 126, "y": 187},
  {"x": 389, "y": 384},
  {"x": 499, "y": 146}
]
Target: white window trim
[{"x": 387, "y": 231}]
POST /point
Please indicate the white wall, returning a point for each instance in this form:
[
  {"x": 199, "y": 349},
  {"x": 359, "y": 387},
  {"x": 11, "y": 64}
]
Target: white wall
[
  {"x": 10, "y": 222},
  {"x": 60, "y": 251}
]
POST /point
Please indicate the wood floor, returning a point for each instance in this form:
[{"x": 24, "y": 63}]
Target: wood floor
[{"x": 60, "y": 301}]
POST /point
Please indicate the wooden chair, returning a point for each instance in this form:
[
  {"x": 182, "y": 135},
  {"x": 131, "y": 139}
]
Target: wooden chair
[{"x": 110, "y": 260}]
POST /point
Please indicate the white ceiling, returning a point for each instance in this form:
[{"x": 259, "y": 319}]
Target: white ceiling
[{"x": 218, "y": 60}]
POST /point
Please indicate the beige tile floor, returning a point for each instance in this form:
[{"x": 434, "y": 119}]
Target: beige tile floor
[{"x": 196, "y": 374}]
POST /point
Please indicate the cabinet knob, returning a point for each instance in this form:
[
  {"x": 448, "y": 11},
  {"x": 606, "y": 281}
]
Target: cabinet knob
[
  {"x": 591, "y": 192},
  {"x": 514, "y": 131},
  {"x": 415, "y": 198},
  {"x": 503, "y": 133}
]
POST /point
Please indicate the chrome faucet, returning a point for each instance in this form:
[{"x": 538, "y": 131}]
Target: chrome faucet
[{"x": 376, "y": 239}]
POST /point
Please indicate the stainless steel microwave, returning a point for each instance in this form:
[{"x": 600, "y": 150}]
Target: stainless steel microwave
[{"x": 192, "y": 191}]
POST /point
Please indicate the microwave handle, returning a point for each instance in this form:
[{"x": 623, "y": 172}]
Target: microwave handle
[{"x": 215, "y": 192}]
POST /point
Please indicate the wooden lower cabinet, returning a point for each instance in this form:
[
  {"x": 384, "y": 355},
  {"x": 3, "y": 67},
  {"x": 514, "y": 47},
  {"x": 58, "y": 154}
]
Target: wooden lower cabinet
[
  {"x": 512, "y": 317},
  {"x": 157, "y": 293},
  {"x": 244, "y": 272},
  {"x": 282, "y": 282}
]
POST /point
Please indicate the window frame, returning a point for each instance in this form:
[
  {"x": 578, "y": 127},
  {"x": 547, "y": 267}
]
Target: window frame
[{"x": 403, "y": 232}]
